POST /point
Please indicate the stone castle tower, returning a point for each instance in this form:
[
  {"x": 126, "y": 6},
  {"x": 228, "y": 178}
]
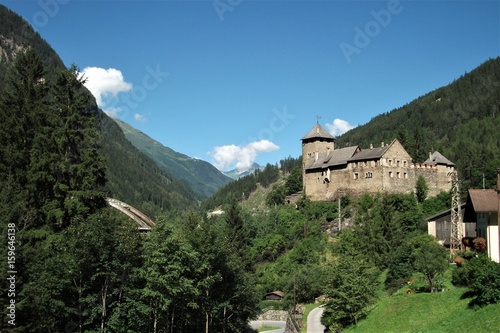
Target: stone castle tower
[{"x": 329, "y": 173}]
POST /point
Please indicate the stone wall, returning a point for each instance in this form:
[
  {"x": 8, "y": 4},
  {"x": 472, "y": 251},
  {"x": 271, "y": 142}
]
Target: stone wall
[
  {"x": 393, "y": 173},
  {"x": 273, "y": 315}
]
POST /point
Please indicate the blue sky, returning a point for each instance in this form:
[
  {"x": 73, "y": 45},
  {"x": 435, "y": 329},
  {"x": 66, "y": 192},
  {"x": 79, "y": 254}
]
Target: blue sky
[{"x": 237, "y": 81}]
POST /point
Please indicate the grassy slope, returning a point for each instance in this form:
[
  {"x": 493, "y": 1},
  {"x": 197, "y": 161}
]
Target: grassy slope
[
  {"x": 425, "y": 312},
  {"x": 257, "y": 199},
  {"x": 438, "y": 312}
]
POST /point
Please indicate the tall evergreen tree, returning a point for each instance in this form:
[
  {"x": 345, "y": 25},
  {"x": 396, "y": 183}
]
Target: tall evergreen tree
[
  {"x": 79, "y": 174},
  {"x": 421, "y": 189},
  {"x": 53, "y": 174}
]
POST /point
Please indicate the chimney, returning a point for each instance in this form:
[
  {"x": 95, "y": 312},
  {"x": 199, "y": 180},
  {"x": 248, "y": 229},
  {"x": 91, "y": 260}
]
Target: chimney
[
  {"x": 382, "y": 144},
  {"x": 430, "y": 156},
  {"x": 371, "y": 146}
]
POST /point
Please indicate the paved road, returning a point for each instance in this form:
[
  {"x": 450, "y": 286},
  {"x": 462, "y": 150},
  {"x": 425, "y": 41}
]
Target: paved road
[
  {"x": 259, "y": 323},
  {"x": 314, "y": 321}
]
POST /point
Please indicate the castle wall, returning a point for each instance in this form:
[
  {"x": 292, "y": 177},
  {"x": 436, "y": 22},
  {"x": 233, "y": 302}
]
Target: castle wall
[
  {"x": 438, "y": 178},
  {"x": 394, "y": 172}
]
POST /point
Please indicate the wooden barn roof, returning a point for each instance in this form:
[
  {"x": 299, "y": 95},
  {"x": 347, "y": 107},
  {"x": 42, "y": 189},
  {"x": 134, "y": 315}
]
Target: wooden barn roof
[{"x": 484, "y": 201}]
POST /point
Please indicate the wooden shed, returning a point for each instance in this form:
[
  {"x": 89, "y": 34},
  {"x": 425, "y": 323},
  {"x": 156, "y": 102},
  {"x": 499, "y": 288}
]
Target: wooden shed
[{"x": 274, "y": 296}]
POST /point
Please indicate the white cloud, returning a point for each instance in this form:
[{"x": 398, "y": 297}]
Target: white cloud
[
  {"x": 338, "y": 127},
  {"x": 241, "y": 156},
  {"x": 105, "y": 85},
  {"x": 112, "y": 111},
  {"x": 140, "y": 117}
]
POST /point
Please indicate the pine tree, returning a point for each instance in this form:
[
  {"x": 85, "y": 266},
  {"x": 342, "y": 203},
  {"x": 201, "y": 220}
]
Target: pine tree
[
  {"x": 79, "y": 174},
  {"x": 52, "y": 177}
]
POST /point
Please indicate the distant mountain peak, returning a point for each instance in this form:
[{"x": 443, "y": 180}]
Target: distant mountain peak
[{"x": 235, "y": 173}]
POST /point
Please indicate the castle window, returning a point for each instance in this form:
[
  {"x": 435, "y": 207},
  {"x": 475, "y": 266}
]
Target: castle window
[
  {"x": 356, "y": 175},
  {"x": 405, "y": 175},
  {"x": 390, "y": 162},
  {"x": 391, "y": 174},
  {"x": 399, "y": 174},
  {"x": 397, "y": 163},
  {"x": 404, "y": 164},
  {"x": 368, "y": 175}
]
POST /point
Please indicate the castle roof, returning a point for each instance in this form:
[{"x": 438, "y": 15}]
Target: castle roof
[
  {"x": 318, "y": 132},
  {"x": 437, "y": 158},
  {"x": 370, "y": 154},
  {"x": 332, "y": 158}
]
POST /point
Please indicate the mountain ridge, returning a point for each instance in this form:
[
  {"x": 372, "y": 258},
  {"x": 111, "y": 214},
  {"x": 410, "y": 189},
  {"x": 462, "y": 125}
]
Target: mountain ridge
[{"x": 202, "y": 176}]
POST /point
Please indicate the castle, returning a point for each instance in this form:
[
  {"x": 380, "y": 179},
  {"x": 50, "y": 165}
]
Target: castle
[{"x": 330, "y": 173}]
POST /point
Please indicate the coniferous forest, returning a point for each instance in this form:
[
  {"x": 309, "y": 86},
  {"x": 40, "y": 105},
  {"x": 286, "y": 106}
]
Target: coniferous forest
[{"x": 73, "y": 264}]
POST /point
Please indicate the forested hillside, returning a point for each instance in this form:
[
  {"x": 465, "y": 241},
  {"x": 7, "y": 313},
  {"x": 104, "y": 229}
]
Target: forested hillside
[
  {"x": 76, "y": 265},
  {"x": 136, "y": 179},
  {"x": 139, "y": 181},
  {"x": 241, "y": 188},
  {"x": 460, "y": 120},
  {"x": 201, "y": 176}
]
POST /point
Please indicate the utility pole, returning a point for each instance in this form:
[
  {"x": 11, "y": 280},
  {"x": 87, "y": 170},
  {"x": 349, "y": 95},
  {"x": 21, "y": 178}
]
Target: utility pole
[
  {"x": 339, "y": 194},
  {"x": 340, "y": 215},
  {"x": 294, "y": 297},
  {"x": 456, "y": 218}
]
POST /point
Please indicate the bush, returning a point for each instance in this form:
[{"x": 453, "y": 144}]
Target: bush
[
  {"x": 459, "y": 277},
  {"x": 483, "y": 279}
]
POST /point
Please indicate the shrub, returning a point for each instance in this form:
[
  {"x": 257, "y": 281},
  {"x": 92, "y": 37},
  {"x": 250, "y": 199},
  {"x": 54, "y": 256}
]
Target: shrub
[
  {"x": 459, "y": 277},
  {"x": 483, "y": 279}
]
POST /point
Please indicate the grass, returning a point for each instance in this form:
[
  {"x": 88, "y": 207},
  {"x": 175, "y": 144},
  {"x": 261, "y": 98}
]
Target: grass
[
  {"x": 439, "y": 312},
  {"x": 267, "y": 328}
]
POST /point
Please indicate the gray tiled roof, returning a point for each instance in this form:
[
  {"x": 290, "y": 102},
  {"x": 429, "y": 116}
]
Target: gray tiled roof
[
  {"x": 318, "y": 132},
  {"x": 370, "y": 154},
  {"x": 437, "y": 158},
  {"x": 329, "y": 158}
]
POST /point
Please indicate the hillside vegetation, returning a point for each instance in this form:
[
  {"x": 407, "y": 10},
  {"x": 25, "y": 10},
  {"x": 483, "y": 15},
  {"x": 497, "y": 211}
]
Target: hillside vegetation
[
  {"x": 132, "y": 176},
  {"x": 460, "y": 120},
  {"x": 79, "y": 266}
]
